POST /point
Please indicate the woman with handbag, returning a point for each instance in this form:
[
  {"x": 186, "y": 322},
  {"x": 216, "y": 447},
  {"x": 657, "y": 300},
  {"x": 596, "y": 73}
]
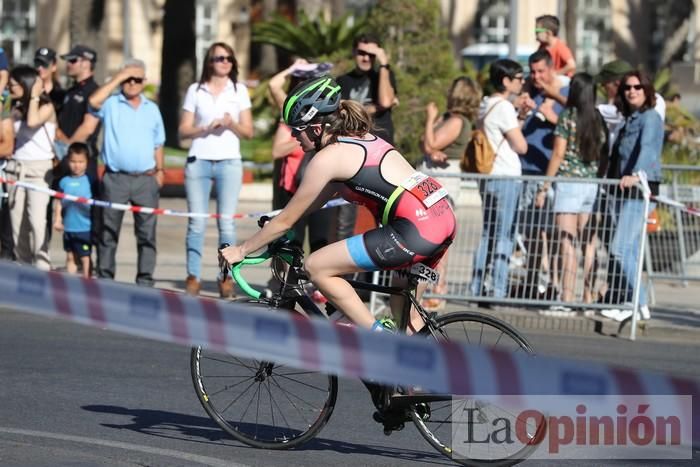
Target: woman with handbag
[
  {"x": 34, "y": 120},
  {"x": 499, "y": 195}
]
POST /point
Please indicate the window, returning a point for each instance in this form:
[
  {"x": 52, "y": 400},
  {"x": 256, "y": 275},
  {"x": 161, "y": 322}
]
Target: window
[
  {"x": 206, "y": 28},
  {"x": 594, "y": 45},
  {"x": 493, "y": 21},
  {"x": 17, "y": 26}
]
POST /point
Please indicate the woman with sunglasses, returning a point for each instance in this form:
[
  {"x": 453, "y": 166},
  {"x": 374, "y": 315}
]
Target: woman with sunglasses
[
  {"x": 637, "y": 150},
  {"x": 216, "y": 116},
  {"x": 418, "y": 223}
]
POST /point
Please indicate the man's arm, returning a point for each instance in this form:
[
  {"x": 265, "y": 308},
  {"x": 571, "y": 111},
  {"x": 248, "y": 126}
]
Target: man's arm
[
  {"x": 7, "y": 138},
  {"x": 101, "y": 94},
  {"x": 568, "y": 68},
  {"x": 83, "y": 132},
  {"x": 385, "y": 91},
  {"x": 158, "y": 155},
  {"x": 4, "y": 78}
]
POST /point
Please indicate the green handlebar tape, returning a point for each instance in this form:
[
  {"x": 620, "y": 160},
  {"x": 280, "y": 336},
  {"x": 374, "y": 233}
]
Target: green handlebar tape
[{"x": 236, "y": 273}]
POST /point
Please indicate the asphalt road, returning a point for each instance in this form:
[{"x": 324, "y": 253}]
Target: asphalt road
[{"x": 79, "y": 396}]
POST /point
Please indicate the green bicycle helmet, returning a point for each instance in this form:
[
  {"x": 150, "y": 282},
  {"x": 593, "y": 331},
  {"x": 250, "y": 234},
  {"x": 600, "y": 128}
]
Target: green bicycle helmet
[{"x": 310, "y": 99}]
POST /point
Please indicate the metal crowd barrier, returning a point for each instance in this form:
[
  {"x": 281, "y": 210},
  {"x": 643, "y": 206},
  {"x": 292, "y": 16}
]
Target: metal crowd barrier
[
  {"x": 673, "y": 250},
  {"x": 509, "y": 252}
]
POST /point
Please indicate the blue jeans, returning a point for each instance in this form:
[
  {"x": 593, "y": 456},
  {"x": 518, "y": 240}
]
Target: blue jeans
[
  {"x": 499, "y": 200},
  {"x": 199, "y": 174},
  {"x": 628, "y": 216}
]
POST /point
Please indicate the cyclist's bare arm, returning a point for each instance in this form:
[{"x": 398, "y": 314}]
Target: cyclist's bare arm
[{"x": 315, "y": 189}]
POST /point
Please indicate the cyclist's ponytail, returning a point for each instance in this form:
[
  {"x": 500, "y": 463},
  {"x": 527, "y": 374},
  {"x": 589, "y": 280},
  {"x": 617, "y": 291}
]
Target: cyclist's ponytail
[{"x": 351, "y": 119}]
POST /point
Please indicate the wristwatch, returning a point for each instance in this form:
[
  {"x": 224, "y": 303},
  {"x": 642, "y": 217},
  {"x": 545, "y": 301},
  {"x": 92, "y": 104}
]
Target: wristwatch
[{"x": 386, "y": 65}]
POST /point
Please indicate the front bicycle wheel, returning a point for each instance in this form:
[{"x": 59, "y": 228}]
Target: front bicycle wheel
[
  {"x": 450, "y": 424},
  {"x": 262, "y": 404}
]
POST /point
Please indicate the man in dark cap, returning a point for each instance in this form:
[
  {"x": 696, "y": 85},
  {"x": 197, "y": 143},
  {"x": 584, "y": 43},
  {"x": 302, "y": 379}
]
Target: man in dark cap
[{"x": 80, "y": 66}]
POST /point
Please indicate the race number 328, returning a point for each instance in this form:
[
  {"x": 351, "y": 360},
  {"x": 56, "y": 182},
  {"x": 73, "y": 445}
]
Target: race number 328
[{"x": 425, "y": 188}]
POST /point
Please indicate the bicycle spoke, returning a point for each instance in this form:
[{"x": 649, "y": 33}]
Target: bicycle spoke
[
  {"x": 277, "y": 405},
  {"x": 466, "y": 333},
  {"x": 236, "y": 399},
  {"x": 250, "y": 402},
  {"x": 287, "y": 391},
  {"x": 287, "y": 394},
  {"x": 498, "y": 340},
  {"x": 308, "y": 385},
  {"x": 227, "y": 362},
  {"x": 229, "y": 387}
]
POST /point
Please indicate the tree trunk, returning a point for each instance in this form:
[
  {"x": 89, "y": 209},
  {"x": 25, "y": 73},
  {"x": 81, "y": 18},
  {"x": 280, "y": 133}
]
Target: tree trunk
[
  {"x": 570, "y": 14},
  {"x": 86, "y": 28},
  {"x": 178, "y": 68}
]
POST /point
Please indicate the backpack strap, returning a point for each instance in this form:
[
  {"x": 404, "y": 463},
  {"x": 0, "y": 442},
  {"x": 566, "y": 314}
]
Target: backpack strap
[{"x": 483, "y": 120}]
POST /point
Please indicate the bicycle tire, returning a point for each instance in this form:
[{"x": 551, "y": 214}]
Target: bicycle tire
[
  {"x": 515, "y": 340},
  {"x": 216, "y": 378}
]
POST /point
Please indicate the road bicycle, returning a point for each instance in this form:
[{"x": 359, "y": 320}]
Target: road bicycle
[{"x": 271, "y": 406}]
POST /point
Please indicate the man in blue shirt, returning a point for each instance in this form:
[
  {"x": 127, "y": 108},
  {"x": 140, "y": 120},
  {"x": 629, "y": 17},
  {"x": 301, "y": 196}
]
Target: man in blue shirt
[
  {"x": 132, "y": 152},
  {"x": 546, "y": 99}
]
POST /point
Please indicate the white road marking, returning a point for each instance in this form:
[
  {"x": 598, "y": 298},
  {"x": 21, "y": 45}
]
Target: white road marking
[{"x": 212, "y": 461}]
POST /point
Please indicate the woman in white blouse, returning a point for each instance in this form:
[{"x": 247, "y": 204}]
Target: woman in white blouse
[
  {"x": 216, "y": 115},
  {"x": 35, "y": 128}
]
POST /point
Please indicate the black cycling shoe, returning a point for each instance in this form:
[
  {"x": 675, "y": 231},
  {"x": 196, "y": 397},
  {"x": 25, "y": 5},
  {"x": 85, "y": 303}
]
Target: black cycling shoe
[{"x": 391, "y": 419}]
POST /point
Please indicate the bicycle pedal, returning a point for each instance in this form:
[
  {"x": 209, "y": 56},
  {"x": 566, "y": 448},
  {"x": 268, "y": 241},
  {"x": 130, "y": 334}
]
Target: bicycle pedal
[{"x": 389, "y": 430}]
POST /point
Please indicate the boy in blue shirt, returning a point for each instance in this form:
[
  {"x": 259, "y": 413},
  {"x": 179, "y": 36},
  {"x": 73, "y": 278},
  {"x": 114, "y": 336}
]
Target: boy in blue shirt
[{"x": 74, "y": 218}]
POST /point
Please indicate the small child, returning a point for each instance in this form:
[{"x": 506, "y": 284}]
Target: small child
[
  {"x": 74, "y": 218},
  {"x": 546, "y": 33}
]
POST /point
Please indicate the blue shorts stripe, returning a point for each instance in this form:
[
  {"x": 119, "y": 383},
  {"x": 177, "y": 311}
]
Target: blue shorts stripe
[{"x": 358, "y": 253}]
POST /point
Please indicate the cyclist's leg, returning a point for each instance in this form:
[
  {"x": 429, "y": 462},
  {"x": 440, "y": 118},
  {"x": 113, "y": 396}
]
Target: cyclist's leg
[
  {"x": 325, "y": 268},
  {"x": 397, "y": 303}
]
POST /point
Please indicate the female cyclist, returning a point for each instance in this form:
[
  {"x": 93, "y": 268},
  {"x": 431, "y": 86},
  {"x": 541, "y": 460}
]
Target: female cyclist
[{"x": 417, "y": 221}]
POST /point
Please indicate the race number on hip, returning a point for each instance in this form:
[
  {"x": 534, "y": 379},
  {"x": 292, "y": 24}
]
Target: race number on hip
[{"x": 425, "y": 188}]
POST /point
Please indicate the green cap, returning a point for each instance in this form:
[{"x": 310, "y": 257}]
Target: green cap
[{"x": 614, "y": 70}]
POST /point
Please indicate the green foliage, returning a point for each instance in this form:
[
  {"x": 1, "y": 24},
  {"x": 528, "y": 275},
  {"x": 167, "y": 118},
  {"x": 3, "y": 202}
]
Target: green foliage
[
  {"x": 310, "y": 39},
  {"x": 422, "y": 59}
]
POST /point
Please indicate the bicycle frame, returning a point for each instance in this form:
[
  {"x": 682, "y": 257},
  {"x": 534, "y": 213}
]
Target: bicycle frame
[{"x": 292, "y": 294}]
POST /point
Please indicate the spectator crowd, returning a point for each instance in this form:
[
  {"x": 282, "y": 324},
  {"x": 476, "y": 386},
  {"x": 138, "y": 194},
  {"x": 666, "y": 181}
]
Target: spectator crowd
[{"x": 546, "y": 122}]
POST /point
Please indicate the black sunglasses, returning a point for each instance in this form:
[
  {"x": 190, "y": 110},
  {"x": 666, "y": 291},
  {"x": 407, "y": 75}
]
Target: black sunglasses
[
  {"x": 222, "y": 58},
  {"x": 363, "y": 53},
  {"x": 636, "y": 87},
  {"x": 133, "y": 80},
  {"x": 73, "y": 60}
]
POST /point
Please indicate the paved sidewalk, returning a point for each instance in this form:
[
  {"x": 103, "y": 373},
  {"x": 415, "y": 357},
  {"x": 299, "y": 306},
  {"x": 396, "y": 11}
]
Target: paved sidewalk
[{"x": 676, "y": 314}]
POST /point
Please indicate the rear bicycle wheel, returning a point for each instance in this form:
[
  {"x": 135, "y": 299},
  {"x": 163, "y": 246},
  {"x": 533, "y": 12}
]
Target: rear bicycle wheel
[
  {"x": 262, "y": 404},
  {"x": 449, "y": 424}
]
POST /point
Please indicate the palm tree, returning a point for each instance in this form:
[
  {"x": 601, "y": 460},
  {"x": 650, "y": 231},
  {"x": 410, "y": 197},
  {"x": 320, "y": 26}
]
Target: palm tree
[{"x": 309, "y": 38}]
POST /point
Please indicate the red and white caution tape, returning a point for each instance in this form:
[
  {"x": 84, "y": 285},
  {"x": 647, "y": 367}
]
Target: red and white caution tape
[
  {"x": 676, "y": 204},
  {"x": 320, "y": 345},
  {"x": 148, "y": 210}
]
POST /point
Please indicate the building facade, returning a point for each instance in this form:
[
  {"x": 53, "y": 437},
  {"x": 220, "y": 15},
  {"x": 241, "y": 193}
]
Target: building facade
[{"x": 651, "y": 33}]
